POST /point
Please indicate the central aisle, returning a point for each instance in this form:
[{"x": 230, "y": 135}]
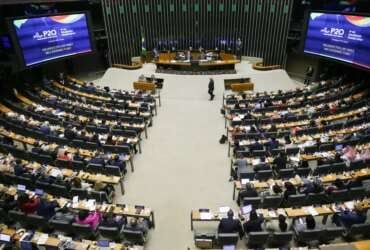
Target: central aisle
[{"x": 182, "y": 165}]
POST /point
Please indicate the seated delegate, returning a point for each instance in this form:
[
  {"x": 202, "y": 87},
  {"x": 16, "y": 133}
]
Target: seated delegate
[{"x": 230, "y": 225}]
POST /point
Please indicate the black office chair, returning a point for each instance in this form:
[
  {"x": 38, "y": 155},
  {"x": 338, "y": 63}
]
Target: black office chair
[
  {"x": 296, "y": 200},
  {"x": 101, "y": 196},
  {"x": 61, "y": 226},
  {"x": 292, "y": 151},
  {"x": 83, "y": 230},
  {"x": 303, "y": 172},
  {"x": 316, "y": 199},
  {"x": 94, "y": 168},
  {"x": 112, "y": 171},
  {"x": 331, "y": 234},
  {"x": 78, "y": 165},
  {"x": 286, "y": 173},
  {"x": 357, "y": 193},
  {"x": 263, "y": 175},
  {"x": 358, "y": 230},
  {"x": 322, "y": 170},
  {"x": 281, "y": 239},
  {"x": 59, "y": 190},
  {"x": 277, "y": 151},
  {"x": 111, "y": 233},
  {"x": 78, "y": 143},
  {"x": 339, "y": 167},
  {"x": 272, "y": 201},
  {"x": 326, "y": 147},
  {"x": 35, "y": 221},
  {"x": 257, "y": 239},
  {"x": 24, "y": 181},
  {"x": 226, "y": 239},
  {"x": 81, "y": 193},
  {"x": 254, "y": 201},
  {"x": 339, "y": 195},
  {"x": 63, "y": 164},
  {"x": 259, "y": 153},
  {"x": 17, "y": 216},
  {"x": 310, "y": 149},
  {"x": 357, "y": 165},
  {"x": 133, "y": 237},
  {"x": 309, "y": 237}
]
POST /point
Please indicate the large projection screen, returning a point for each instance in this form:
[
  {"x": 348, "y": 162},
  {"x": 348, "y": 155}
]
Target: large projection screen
[
  {"x": 341, "y": 37},
  {"x": 46, "y": 38}
]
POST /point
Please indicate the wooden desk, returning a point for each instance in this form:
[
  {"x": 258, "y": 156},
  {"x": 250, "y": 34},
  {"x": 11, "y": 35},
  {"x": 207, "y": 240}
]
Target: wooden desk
[
  {"x": 100, "y": 98},
  {"x": 241, "y": 87},
  {"x": 55, "y": 242},
  {"x": 195, "y": 216},
  {"x": 145, "y": 86},
  {"x": 142, "y": 126},
  {"x": 365, "y": 172},
  {"x": 128, "y": 210},
  {"x": 167, "y": 61},
  {"x": 323, "y": 211},
  {"x": 83, "y": 152}
]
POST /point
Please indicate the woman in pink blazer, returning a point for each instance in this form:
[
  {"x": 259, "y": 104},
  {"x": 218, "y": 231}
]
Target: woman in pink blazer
[{"x": 92, "y": 219}]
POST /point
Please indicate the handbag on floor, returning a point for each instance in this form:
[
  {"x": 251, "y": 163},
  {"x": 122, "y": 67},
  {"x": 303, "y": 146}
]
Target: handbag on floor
[{"x": 223, "y": 139}]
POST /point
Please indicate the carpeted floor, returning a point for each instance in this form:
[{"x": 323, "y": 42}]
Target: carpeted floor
[{"x": 182, "y": 165}]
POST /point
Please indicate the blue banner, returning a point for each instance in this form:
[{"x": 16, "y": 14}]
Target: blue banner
[
  {"x": 341, "y": 37},
  {"x": 46, "y": 38}
]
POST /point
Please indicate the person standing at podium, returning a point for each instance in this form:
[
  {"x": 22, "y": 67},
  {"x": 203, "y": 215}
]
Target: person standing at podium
[
  {"x": 211, "y": 88},
  {"x": 239, "y": 48}
]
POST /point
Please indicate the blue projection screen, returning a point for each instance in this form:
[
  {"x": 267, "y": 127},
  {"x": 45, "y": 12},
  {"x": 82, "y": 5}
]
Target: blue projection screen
[
  {"x": 47, "y": 38},
  {"x": 341, "y": 37}
]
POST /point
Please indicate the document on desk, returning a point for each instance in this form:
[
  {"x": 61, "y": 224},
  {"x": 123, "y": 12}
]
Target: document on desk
[
  {"x": 244, "y": 181},
  {"x": 311, "y": 210},
  {"x": 91, "y": 205},
  {"x": 281, "y": 211},
  {"x": 350, "y": 205},
  {"x": 272, "y": 214},
  {"x": 205, "y": 216},
  {"x": 256, "y": 161},
  {"x": 42, "y": 239}
]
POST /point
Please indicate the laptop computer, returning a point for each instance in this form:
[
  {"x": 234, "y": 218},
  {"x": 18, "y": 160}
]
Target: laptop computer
[
  {"x": 21, "y": 188},
  {"x": 246, "y": 209}
]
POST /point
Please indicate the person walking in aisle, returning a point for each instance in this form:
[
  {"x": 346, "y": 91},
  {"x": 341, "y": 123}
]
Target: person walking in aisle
[{"x": 211, "y": 87}]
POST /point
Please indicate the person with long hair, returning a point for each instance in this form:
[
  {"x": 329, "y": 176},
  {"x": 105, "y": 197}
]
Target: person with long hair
[
  {"x": 254, "y": 224},
  {"x": 279, "y": 225}
]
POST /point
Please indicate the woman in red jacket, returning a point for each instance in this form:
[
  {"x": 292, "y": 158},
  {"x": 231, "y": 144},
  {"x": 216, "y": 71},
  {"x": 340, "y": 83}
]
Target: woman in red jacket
[{"x": 27, "y": 205}]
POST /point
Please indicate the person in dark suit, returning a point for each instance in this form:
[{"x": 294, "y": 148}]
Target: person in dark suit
[
  {"x": 261, "y": 167},
  {"x": 115, "y": 161},
  {"x": 110, "y": 221},
  {"x": 230, "y": 225},
  {"x": 272, "y": 144},
  {"x": 45, "y": 128},
  {"x": 280, "y": 162},
  {"x": 254, "y": 224},
  {"x": 97, "y": 159},
  {"x": 135, "y": 225},
  {"x": 289, "y": 189},
  {"x": 256, "y": 146},
  {"x": 69, "y": 133},
  {"x": 19, "y": 169},
  {"x": 46, "y": 208},
  {"x": 249, "y": 191},
  {"x": 211, "y": 88}
]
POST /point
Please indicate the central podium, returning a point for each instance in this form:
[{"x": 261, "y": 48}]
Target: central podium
[{"x": 170, "y": 62}]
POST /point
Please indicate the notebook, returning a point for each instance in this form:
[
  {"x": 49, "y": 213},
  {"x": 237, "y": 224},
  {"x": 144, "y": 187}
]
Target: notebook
[
  {"x": 246, "y": 209},
  {"x": 21, "y": 188}
]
